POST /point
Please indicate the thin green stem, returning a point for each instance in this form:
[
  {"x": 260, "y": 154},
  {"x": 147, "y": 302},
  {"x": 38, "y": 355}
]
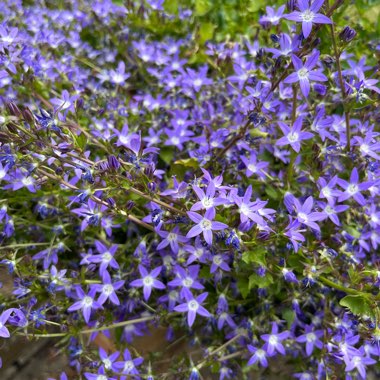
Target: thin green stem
[
  {"x": 342, "y": 87},
  {"x": 336, "y": 286}
]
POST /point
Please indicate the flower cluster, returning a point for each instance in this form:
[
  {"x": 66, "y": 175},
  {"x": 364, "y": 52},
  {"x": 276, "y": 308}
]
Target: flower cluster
[{"x": 153, "y": 178}]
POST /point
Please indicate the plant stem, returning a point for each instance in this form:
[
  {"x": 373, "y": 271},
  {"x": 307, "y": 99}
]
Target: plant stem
[
  {"x": 342, "y": 88},
  {"x": 336, "y": 286}
]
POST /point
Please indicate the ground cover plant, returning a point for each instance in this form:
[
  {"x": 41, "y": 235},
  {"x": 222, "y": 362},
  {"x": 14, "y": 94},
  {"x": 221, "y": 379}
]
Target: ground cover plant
[{"x": 208, "y": 167}]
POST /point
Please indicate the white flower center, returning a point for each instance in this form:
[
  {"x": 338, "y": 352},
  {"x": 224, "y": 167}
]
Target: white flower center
[
  {"x": 260, "y": 353},
  {"x": 101, "y": 377},
  {"x": 172, "y": 237},
  {"x": 252, "y": 168},
  {"x": 27, "y": 181},
  {"x": 244, "y": 209},
  {"x": 187, "y": 282},
  {"x": 364, "y": 148},
  {"x": 302, "y": 217},
  {"x": 87, "y": 301},
  {"x": 329, "y": 210},
  {"x": 207, "y": 202},
  {"x": 107, "y": 363},
  {"x": 206, "y": 224},
  {"x": 118, "y": 78},
  {"x": 107, "y": 289},
  {"x": 198, "y": 82},
  {"x": 273, "y": 340},
  {"x": 311, "y": 337},
  {"x": 217, "y": 260},
  {"x": 128, "y": 366},
  {"x": 107, "y": 257},
  {"x": 175, "y": 140},
  {"x": 307, "y": 16},
  {"x": 293, "y": 137},
  {"x": 148, "y": 280},
  {"x": 326, "y": 191},
  {"x": 353, "y": 188},
  {"x": 193, "y": 305},
  {"x": 303, "y": 73}
]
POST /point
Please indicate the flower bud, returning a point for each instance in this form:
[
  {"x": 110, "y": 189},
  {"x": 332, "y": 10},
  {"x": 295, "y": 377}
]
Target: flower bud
[
  {"x": 347, "y": 34},
  {"x": 290, "y": 5},
  {"x": 113, "y": 162}
]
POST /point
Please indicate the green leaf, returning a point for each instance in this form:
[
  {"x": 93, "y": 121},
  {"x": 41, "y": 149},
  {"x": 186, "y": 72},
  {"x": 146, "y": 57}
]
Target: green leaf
[
  {"x": 81, "y": 141},
  {"x": 358, "y": 305},
  {"x": 206, "y": 32},
  {"x": 256, "y": 255},
  {"x": 288, "y": 315},
  {"x": 202, "y": 7},
  {"x": 171, "y": 6},
  {"x": 166, "y": 154},
  {"x": 188, "y": 162},
  {"x": 271, "y": 192},
  {"x": 261, "y": 282},
  {"x": 243, "y": 287}
]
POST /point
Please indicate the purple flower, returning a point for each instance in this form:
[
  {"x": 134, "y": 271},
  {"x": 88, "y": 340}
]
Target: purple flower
[
  {"x": 359, "y": 361},
  {"x": 187, "y": 279},
  {"x": 66, "y": 103},
  {"x": 353, "y": 188},
  {"x": 101, "y": 375},
  {"x": 305, "y": 215},
  {"x": 128, "y": 366},
  {"x": 171, "y": 238},
  {"x": 247, "y": 209},
  {"x": 4, "y": 333},
  {"x": 293, "y": 136},
  {"x": 148, "y": 281},
  {"x": 287, "y": 46},
  {"x": 311, "y": 338},
  {"x": 330, "y": 210},
  {"x": 119, "y": 76},
  {"x": 327, "y": 189},
  {"x": 108, "y": 360},
  {"x": 218, "y": 261},
  {"x": 304, "y": 73},
  {"x": 274, "y": 339},
  {"x": 272, "y": 15},
  {"x": 86, "y": 303},
  {"x": 289, "y": 276},
  {"x": 205, "y": 225},
  {"x": 107, "y": 289},
  {"x": 193, "y": 306},
  {"x": 254, "y": 166},
  {"x": 308, "y": 15},
  {"x": 206, "y": 200},
  {"x": 259, "y": 355},
  {"x": 105, "y": 258}
]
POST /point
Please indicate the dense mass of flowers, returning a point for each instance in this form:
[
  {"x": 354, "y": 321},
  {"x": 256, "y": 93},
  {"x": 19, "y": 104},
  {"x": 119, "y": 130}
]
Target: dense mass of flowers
[{"x": 226, "y": 191}]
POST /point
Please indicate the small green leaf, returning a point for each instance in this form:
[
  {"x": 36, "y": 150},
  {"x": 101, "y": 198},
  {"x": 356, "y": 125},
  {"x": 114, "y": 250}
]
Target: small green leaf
[
  {"x": 206, "y": 32},
  {"x": 358, "y": 305},
  {"x": 166, "y": 154},
  {"x": 188, "y": 162},
  {"x": 202, "y": 7},
  {"x": 261, "y": 282},
  {"x": 243, "y": 287},
  {"x": 256, "y": 255}
]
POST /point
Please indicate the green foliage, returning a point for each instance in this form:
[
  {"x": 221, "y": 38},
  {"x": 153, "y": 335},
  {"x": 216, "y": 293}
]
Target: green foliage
[{"x": 358, "y": 305}]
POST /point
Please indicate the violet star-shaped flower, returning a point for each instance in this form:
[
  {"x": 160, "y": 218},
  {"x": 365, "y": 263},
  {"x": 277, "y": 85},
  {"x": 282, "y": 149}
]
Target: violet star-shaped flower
[
  {"x": 311, "y": 338},
  {"x": 305, "y": 73},
  {"x": 107, "y": 289},
  {"x": 148, "y": 281},
  {"x": 193, "y": 306},
  {"x": 171, "y": 238},
  {"x": 105, "y": 258},
  {"x": 128, "y": 365},
  {"x": 4, "y": 333},
  {"x": 274, "y": 339},
  {"x": 308, "y": 15},
  {"x": 205, "y": 224},
  {"x": 330, "y": 210},
  {"x": 354, "y": 188},
  {"x": 293, "y": 136},
  {"x": 259, "y": 355},
  {"x": 305, "y": 215},
  {"x": 206, "y": 200},
  {"x": 86, "y": 303},
  {"x": 187, "y": 279}
]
